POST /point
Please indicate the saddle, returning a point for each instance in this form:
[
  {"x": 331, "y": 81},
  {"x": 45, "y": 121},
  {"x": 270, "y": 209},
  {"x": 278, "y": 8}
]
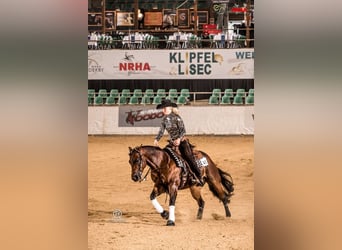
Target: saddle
[{"x": 182, "y": 164}]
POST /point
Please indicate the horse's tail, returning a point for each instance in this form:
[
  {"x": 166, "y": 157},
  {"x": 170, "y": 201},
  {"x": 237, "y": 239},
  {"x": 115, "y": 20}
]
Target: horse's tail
[{"x": 227, "y": 183}]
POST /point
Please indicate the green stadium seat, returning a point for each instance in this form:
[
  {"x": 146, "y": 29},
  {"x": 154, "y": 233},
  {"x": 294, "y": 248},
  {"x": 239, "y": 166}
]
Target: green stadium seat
[
  {"x": 185, "y": 92},
  {"x": 145, "y": 100},
  {"x": 149, "y": 93},
  {"x": 251, "y": 92},
  {"x": 241, "y": 92},
  {"x": 133, "y": 100},
  {"x": 156, "y": 100},
  {"x": 173, "y": 93},
  {"x": 171, "y": 98},
  {"x": 250, "y": 100},
  {"x": 90, "y": 100},
  {"x": 110, "y": 100},
  {"x": 181, "y": 100},
  {"x": 161, "y": 93},
  {"x": 213, "y": 99},
  {"x": 228, "y": 92},
  {"x": 216, "y": 92},
  {"x": 126, "y": 93},
  {"x": 225, "y": 100},
  {"x": 103, "y": 93},
  {"x": 122, "y": 100},
  {"x": 91, "y": 93},
  {"x": 137, "y": 93},
  {"x": 98, "y": 100},
  {"x": 237, "y": 100},
  {"x": 114, "y": 93}
]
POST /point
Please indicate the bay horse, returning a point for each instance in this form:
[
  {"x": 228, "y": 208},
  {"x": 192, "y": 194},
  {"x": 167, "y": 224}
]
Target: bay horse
[{"x": 168, "y": 178}]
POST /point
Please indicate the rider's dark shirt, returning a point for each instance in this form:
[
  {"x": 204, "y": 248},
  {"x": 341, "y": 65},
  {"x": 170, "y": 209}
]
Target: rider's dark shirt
[{"x": 174, "y": 126}]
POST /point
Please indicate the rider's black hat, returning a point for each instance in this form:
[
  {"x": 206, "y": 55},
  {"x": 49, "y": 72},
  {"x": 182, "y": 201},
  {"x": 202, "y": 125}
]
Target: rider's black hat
[{"x": 166, "y": 103}]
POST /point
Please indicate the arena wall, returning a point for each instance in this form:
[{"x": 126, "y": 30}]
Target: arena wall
[{"x": 199, "y": 120}]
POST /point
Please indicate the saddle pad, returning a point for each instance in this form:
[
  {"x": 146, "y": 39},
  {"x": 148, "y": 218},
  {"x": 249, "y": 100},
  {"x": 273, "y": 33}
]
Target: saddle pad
[{"x": 179, "y": 161}]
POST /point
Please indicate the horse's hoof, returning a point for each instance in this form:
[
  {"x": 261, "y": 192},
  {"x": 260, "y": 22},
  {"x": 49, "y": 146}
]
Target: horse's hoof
[
  {"x": 170, "y": 223},
  {"x": 165, "y": 214}
]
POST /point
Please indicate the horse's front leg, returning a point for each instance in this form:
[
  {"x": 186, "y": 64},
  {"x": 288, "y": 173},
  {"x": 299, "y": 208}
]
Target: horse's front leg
[
  {"x": 173, "y": 188},
  {"x": 157, "y": 190}
]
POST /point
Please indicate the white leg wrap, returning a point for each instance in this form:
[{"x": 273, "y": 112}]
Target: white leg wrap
[
  {"x": 157, "y": 206},
  {"x": 172, "y": 213}
]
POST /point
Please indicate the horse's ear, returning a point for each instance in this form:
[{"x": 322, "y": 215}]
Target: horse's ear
[{"x": 130, "y": 149}]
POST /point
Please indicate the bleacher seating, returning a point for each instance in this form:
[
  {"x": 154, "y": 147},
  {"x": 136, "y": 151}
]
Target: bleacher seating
[{"x": 154, "y": 97}]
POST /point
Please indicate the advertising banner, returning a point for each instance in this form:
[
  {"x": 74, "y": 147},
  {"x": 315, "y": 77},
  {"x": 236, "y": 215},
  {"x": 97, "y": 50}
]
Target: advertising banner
[{"x": 171, "y": 64}]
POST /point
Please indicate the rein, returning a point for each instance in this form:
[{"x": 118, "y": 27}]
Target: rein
[{"x": 144, "y": 179}]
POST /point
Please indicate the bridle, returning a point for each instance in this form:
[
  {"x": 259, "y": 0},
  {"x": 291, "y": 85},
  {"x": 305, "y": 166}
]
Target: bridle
[{"x": 140, "y": 170}]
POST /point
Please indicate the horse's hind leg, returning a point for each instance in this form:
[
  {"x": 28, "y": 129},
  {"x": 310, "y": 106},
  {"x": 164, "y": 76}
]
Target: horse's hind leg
[
  {"x": 226, "y": 208},
  {"x": 196, "y": 194},
  {"x": 157, "y": 190}
]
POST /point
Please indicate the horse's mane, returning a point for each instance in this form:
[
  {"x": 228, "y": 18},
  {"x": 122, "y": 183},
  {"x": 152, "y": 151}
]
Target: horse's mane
[{"x": 149, "y": 147}]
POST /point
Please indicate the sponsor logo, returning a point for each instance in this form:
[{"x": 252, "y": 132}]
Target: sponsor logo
[
  {"x": 94, "y": 66},
  {"x": 130, "y": 65},
  {"x": 237, "y": 69},
  {"x": 193, "y": 63},
  {"x": 142, "y": 115}
]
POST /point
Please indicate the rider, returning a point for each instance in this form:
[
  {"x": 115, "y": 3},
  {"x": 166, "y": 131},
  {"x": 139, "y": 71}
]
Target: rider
[{"x": 174, "y": 125}]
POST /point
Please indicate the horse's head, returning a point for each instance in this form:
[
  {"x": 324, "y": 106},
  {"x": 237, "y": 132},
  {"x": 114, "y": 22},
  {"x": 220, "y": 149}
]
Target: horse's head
[{"x": 137, "y": 163}]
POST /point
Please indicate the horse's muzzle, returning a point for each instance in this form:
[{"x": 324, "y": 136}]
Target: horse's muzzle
[{"x": 135, "y": 177}]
